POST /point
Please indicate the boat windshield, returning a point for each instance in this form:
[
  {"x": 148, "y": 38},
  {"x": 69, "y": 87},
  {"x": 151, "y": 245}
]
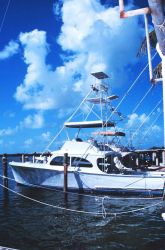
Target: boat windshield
[{"x": 103, "y": 147}]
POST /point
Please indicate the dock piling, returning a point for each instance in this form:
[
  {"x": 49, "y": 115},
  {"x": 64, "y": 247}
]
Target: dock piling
[
  {"x": 4, "y": 169},
  {"x": 65, "y": 172},
  {"x": 23, "y": 158}
]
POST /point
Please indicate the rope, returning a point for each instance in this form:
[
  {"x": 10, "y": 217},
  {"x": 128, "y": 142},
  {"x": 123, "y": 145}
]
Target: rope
[
  {"x": 47, "y": 204},
  {"x": 87, "y": 195},
  {"x": 150, "y": 127},
  {"x": 137, "y": 106},
  {"x": 79, "y": 105},
  {"x": 161, "y": 27},
  {"x": 103, "y": 213},
  {"x": 134, "y": 134},
  {"x": 125, "y": 95},
  {"x": 47, "y": 148},
  {"x": 3, "y": 19},
  {"x": 130, "y": 88},
  {"x": 67, "y": 121},
  {"x": 134, "y": 210}
]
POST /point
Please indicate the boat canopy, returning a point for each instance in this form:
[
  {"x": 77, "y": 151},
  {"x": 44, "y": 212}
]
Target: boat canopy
[
  {"x": 89, "y": 124},
  {"x": 109, "y": 133}
]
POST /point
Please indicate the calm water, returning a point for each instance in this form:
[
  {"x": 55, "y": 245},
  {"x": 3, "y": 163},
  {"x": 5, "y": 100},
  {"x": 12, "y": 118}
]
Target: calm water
[{"x": 25, "y": 224}]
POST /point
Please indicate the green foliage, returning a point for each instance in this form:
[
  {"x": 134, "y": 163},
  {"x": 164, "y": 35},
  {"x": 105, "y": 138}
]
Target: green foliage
[{"x": 153, "y": 42}]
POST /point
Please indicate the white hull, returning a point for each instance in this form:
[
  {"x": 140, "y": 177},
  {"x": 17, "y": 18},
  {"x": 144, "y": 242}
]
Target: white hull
[{"x": 146, "y": 182}]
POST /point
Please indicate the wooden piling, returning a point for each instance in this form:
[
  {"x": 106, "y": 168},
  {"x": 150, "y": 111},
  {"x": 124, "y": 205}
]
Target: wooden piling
[
  {"x": 23, "y": 158},
  {"x": 157, "y": 162},
  {"x": 4, "y": 169},
  {"x": 65, "y": 172}
]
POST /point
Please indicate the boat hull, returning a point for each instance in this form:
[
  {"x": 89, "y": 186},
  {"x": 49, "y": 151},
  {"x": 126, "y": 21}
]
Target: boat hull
[{"x": 151, "y": 183}]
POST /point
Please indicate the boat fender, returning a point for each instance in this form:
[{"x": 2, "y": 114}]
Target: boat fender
[{"x": 163, "y": 216}]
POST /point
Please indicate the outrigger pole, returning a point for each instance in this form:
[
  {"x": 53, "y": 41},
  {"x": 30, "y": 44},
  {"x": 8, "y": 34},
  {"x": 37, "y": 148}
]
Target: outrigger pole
[{"x": 156, "y": 10}]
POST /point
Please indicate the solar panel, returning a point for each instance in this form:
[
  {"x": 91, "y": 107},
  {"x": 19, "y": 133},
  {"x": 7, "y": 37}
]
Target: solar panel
[{"x": 100, "y": 75}]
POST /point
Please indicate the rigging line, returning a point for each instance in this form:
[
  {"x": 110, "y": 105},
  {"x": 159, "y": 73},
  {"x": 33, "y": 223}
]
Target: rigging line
[
  {"x": 88, "y": 195},
  {"x": 79, "y": 105},
  {"x": 130, "y": 88},
  {"x": 137, "y": 106},
  {"x": 3, "y": 19},
  {"x": 103, "y": 213},
  {"x": 145, "y": 119},
  {"x": 67, "y": 120},
  {"x": 151, "y": 125},
  {"x": 92, "y": 111},
  {"x": 47, "y": 148}
]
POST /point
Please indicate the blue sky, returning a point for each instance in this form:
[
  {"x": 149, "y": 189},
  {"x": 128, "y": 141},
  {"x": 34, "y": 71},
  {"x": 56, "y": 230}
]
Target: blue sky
[{"x": 49, "y": 48}]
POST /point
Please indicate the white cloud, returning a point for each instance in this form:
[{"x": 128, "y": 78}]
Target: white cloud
[
  {"x": 9, "y": 50},
  {"x": 46, "y": 136},
  {"x": 33, "y": 121},
  {"x": 155, "y": 128},
  {"x": 9, "y": 114},
  {"x": 97, "y": 40},
  {"x": 8, "y": 131},
  {"x": 28, "y": 142},
  {"x": 135, "y": 120},
  {"x": 139, "y": 130}
]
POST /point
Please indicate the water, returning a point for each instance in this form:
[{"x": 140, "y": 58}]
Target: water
[{"x": 26, "y": 224}]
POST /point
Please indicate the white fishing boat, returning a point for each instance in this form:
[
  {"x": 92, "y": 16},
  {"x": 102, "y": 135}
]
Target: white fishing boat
[{"x": 93, "y": 164}]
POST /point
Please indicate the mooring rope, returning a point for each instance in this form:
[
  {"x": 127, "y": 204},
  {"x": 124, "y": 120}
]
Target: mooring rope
[
  {"x": 87, "y": 195},
  {"x": 103, "y": 213}
]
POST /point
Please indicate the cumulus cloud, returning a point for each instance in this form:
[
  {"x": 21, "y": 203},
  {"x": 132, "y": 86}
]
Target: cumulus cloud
[
  {"x": 33, "y": 121},
  {"x": 135, "y": 120},
  {"x": 46, "y": 136},
  {"x": 9, "y": 50},
  {"x": 141, "y": 128},
  {"x": 28, "y": 142},
  {"x": 96, "y": 39},
  {"x": 8, "y": 131}
]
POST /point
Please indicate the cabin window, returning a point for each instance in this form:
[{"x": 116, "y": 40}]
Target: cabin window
[
  {"x": 80, "y": 162},
  {"x": 103, "y": 147},
  {"x": 58, "y": 161}
]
